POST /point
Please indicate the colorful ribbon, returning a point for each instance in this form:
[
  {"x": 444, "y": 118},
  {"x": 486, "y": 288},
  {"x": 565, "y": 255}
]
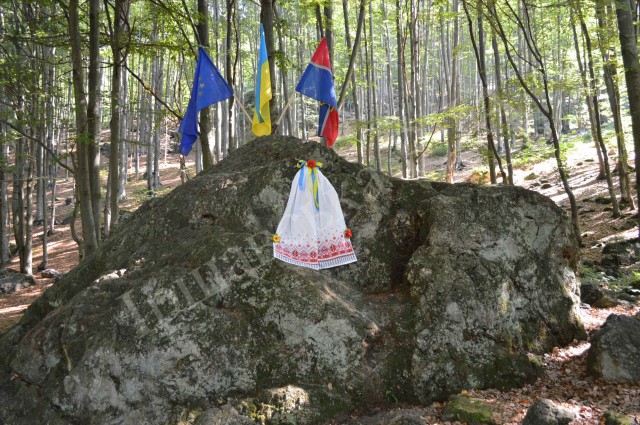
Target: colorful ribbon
[{"x": 312, "y": 171}]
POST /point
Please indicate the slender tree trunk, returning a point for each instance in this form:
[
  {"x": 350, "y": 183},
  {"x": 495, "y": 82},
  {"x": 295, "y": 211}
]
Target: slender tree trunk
[
  {"x": 453, "y": 96},
  {"x": 43, "y": 179},
  {"x": 369, "y": 88},
  {"x": 83, "y": 168},
  {"x": 266, "y": 18},
  {"x": 149, "y": 131},
  {"x": 230, "y": 72},
  {"x": 116, "y": 113},
  {"x": 503, "y": 115},
  {"x": 125, "y": 136},
  {"x": 374, "y": 118},
  {"x": 588, "y": 101},
  {"x": 157, "y": 119},
  {"x": 351, "y": 76},
  {"x": 401, "y": 91},
  {"x": 596, "y": 113},
  {"x": 18, "y": 198},
  {"x": 205, "y": 114},
  {"x": 479, "y": 50},
  {"x": 613, "y": 92},
  {"x": 632, "y": 75},
  {"x": 94, "y": 78},
  {"x": 4, "y": 202},
  {"x": 410, "y": 84},
  {"x": 284, "y": 74},
  {"x": 26, "y": 260}
]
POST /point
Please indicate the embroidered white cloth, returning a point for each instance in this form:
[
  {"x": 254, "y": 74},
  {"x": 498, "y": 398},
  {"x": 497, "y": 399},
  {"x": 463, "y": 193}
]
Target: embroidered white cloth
[{"x": 312, "y": 230}]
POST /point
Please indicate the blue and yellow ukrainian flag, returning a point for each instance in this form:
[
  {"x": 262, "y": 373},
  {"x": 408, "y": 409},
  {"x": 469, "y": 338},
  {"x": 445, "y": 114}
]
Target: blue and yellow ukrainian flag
[{"x": 262, "y": 115}]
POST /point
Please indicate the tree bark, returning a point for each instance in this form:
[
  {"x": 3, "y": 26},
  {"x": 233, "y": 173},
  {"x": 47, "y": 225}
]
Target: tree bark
[
  {"x": 479, "y": 50},
  {"x": 629, "y": 48},
  {"x": 613, "y": 93},
  {"x": 116, "y": 111},
  {"x": 374, "y": 118},
  {"x": 350, "y": 77},
  {"x": 230, "y": 73},
  {"x": 588, "y": 101},
  {"x": 94, "y": 78},
  {"x": 266, "y": 18},
  {"x": 83, "y": 139},
  {"x": 453, "y": 96},
  {"x": 596, "y": 112},
  {"x": 503, "y": 116},
  {"x": 205, "y": 113}
]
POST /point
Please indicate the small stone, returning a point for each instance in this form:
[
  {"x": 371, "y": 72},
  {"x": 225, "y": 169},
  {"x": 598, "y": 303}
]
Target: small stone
[
  {"x": 590, "y": 294},
  {"x": 546, "y": 186},
  {"x": 632, "y": 291},
  {"x": 605, "y": 302},
  {"x": 531, "y": 176},
  {"x": 546, "y": 412},
  {"x": 50, "y": 273}
]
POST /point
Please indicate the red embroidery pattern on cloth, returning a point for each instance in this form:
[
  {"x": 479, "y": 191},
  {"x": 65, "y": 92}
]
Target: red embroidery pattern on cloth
[{"x": 322, "y": 250}]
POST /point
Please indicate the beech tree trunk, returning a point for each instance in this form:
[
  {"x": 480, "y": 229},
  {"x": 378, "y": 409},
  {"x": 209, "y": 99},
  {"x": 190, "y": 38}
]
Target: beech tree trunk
[
  {"x": 627, "y": 36},
  {"x": 613, "y": 93},
  {"x": 83, "y": 164}
]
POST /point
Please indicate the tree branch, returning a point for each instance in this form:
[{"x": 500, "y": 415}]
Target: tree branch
[
  {"x": 148, "y": 89},
  {"x": 34, "y": 139}
]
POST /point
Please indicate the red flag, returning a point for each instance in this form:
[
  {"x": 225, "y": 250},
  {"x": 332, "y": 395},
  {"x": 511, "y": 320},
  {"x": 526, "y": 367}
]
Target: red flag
[{"x": 328, "y": 123}]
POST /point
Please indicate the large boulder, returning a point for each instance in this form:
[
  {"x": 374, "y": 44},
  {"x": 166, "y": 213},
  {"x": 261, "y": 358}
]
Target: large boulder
[
  {"x": 614, "y": 354},
  {"x": 184, "y": 310}
]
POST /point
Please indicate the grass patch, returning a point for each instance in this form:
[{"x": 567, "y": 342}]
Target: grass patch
[
  {"x": 436, "y": 176},
  {"x": 532, "y": 154},
  {"x": 344, "y": 142},
  {"x": 438, "y": 149}
]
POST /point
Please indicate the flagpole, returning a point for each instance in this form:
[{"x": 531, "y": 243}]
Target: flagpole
[
  {"x": 285, "y": 108},
  {"x": 246, "y": 114}
]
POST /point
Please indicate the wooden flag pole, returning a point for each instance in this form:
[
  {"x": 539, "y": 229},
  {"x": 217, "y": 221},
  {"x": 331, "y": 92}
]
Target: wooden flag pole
[
  {"x": 246, "y": 114},
  {"x": 285, "y": 109}
]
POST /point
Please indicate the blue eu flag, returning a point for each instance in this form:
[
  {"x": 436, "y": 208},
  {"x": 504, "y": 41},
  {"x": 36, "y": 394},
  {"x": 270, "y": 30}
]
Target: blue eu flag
[{"x": 208, "y": 88}]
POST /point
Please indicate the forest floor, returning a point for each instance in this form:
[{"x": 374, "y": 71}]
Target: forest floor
[{"x": 564, "y": 381}]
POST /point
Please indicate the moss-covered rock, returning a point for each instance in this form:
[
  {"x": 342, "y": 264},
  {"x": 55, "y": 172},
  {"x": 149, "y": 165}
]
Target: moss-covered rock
[
  {"x": 184, "y": 309},
  {"x": 469, "y": 410},
  {"x": 613, "y": 418}
]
